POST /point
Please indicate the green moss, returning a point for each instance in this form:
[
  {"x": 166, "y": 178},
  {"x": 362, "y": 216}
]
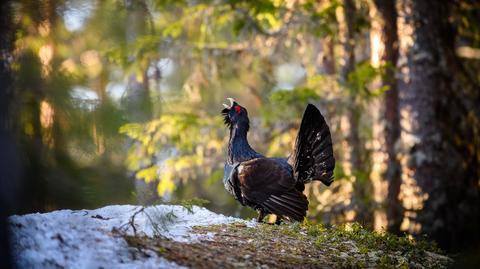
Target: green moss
[
  {"x": 363, "y": 249},
  {"x": 355, "y": 239},
  {"x": 303, "y": 245}
]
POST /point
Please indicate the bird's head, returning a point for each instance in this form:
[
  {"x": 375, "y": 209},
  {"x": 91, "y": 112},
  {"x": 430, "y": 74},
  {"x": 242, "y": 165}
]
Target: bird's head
[{"x": 235, "y": 115}]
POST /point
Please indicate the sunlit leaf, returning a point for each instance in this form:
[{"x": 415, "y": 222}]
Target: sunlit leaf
[
  {"x": 148, "y": 174},
  {"x": 166, "y": 184}
]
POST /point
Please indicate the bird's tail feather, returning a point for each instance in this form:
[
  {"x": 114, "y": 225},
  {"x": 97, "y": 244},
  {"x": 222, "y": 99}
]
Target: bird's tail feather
[
  {"x": 312, "y": 158},
  {"x": 293, "y": 204}
]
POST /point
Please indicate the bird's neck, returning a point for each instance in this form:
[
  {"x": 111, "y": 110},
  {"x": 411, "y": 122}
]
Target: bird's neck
[{"x": 238, "y": 148}]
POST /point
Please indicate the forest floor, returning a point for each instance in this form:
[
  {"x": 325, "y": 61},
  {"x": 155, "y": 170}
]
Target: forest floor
[
  {"x": 169, "y": 236},
  {"x": 236, "y": 245}
]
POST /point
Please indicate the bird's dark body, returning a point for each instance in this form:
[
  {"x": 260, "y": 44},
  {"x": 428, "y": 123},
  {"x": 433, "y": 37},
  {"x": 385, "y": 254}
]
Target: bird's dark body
[{"x": 275, "y": 185}]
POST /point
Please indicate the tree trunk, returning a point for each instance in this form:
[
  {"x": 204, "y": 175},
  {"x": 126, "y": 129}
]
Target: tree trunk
[
  {"x": 138, "y": 104},
  {"x": 9, "y": 162},
  {"x": 386, "y": 20},
  {"x": 436, "y": 168},
  {"x": 326, "y": 59},
  {"x": 362, "y": 186}
]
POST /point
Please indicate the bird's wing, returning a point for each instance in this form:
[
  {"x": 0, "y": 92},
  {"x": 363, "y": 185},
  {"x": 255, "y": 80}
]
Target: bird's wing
[
  {"x": 268, "y": 183},
  {"x": 230, "y": 181},
  {"x": 312, "y": 157}
]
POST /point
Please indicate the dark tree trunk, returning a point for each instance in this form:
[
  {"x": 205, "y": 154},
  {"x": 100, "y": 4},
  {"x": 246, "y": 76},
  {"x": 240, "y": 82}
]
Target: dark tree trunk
[
  {"x": 388, "y": 20},
  {"x": 138, "y": 104},
  {"x": 347, "y": 39},
  {"x": 9, "y": 162},
  {"x": 326, "y": 59},
  {"x": 433, "y": 123},
  {"x": 362, "y": 196}
]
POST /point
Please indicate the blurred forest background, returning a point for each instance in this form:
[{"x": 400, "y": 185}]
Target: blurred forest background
[{"x": 107, "y": 102}]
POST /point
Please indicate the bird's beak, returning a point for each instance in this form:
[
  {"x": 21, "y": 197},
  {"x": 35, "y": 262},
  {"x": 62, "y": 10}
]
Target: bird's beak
[{"x": 231, "y": 103}]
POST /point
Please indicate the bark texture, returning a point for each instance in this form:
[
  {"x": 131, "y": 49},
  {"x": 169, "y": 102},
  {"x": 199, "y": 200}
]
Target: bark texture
[
  {"x": 362, "y": 196},
  {"x": 388, "y": 19},
  {"x": 444, "y": 182}
]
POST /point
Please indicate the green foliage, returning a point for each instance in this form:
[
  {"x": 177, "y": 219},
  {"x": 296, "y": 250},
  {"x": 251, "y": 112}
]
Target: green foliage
[
  {"x": 238, "y": 26},
  {"x": 466, "y": 15},
  {"x": 339, "y": 172},
  {"x": 288, "y": 103},
  {"x": 286, "y": 97},
  {"x": 159, "y": 220},
  {"x": 192, "y": 139},
  {"x": 359, "y": 80},
  {"x": 323, "y": 18},
  {"x": 188, "y": 204},
  {"x": 214, "y": 177}
]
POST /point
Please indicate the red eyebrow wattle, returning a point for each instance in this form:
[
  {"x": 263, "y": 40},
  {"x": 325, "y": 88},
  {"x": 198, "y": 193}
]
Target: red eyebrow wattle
[{"x": 237, "y": 109}]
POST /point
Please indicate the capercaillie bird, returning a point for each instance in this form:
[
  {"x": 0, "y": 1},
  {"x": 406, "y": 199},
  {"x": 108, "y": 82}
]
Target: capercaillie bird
[{"x": 275, "y": 185}]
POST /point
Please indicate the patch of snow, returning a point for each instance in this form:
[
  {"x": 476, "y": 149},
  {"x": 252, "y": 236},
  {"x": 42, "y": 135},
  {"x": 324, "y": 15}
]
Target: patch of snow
[{"x": 87, "y": 238}]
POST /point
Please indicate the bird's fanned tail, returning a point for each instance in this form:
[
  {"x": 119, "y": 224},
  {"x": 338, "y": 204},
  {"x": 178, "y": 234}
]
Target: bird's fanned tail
[
  {"x": 293, "y": 204},
  {"x": 312, "y": 158}
]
